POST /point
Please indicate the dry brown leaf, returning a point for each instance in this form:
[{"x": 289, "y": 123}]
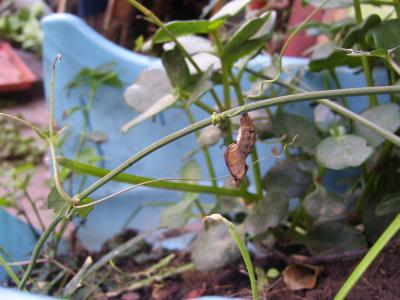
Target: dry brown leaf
[
  {"x": 246, "y": 138},
  {"x": 299, "y": 277}
]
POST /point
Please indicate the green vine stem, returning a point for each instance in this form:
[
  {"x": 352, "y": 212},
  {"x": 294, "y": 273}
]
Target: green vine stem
[
  {"x": 164, "y": 184},
  {"x": 37, "y": 248},
  {"x": 254, "y": 106},
  {"x": 226, "y": 85},
  {"x": 393, "y": 228},
  {"x": 9, "y": 270},
  {"x": 51, "y": 140},
  {"x": 373, "y": 101}
]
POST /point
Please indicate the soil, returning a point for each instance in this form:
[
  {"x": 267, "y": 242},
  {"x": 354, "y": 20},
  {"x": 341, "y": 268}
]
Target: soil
[{"x": 381, "y": 281}]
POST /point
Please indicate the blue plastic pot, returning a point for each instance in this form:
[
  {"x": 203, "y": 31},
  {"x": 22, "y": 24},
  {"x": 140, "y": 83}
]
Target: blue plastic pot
[{"x": 80, "y": 46}]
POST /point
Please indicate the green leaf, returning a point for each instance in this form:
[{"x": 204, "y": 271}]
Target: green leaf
[
  {"x": 177, "y": 69},
  {"x": 358, "y": 32},
  {"x": 382, "y": 53},
  {"x": 247, "y": 48},
  {"x": 390, "y": 204},
  {"x": 333, "y": 238},
  {"x": 323, "y": 206},
  {"x": 334, "y": 60},
  {"x": 230, "y": 9},
  {"x": 294, "y": 125},
  {"x": 202, "y": 86},
  {"x": 386, "y": 116},
  {"x": 387, "y": 36},
  {"x": 85, "y": 211},
  {"x": 191, "y": 170},
  {"x": 55, "y": 201},
  {"x": 246, "y": 31},
  {"x": 153, "y": 110},
  {"x": 214, "y": 248},
  {"x": 178, "y": 214},
  {"x": 150, "y": 86},
  {"x": 267, "y": 213},
  {"x": 5, "y": 202},
  {"x": 285, "y": 176},
  {"x": 343, "y": 152},
  {"x": 181, "y": 28}
]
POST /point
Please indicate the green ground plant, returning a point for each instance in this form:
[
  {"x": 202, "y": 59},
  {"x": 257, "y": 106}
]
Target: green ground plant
[{"x": 322, "y": 221}]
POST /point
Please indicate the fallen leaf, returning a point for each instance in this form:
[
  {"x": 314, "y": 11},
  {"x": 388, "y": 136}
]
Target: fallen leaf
[{"x": 299, "y": 277}]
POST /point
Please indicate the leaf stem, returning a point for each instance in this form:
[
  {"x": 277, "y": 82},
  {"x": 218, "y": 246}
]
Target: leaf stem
[
  {"x": 152, "y": 182},
  {"x": 390, "y": 231},
  {"x": 38, "y": 247},
  {"x": 225, "y": 82},
  {"x": 51, "y": 140},
  {"x": 9, "y": 270},
  {"x": 373, "y": 101}
]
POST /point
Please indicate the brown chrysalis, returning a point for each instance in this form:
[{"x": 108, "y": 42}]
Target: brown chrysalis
[
  {"x": 247, "y": 135},
  {"x": 236, "y": 163},
  {"x": 236, "y": 153}
]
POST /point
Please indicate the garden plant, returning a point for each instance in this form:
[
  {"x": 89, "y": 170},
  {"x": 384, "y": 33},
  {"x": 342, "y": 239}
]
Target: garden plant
[{"x": 292, "y": 202}]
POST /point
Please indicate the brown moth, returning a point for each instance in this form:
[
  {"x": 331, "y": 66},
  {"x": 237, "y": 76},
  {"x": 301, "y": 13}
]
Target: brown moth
[
  {"x": 236, "y": 163},
  {"x": 247, "y": 135},
  {"x": 236, "y": 153}
]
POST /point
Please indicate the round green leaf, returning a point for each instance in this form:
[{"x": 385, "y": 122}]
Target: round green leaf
[
  {"x": 343, "y": 152},
  {"x": 294, "y": 125},
  {"x": 386, "y": 116},
  {"x": 267, "y": 213},
  {"x": 323, "y": 206},
  {"x": 333, "y": 237},
  {"x": 285, "y": 176}
]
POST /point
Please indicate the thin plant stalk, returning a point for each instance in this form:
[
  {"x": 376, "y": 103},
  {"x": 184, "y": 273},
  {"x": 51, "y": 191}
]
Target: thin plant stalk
[
  {"x": 386, "y": 236},
  {"x": 373, "y": 101},
  {"x": 36, "y": 250},
  {"x": 9, "y": 270},
  {"x": 51, "y": 140},
  {"x": 242, "y": 248},
  {"x": 226, "y": 85},
  {"x": 34, "y": 208},
  {"x": 210, "y": 166},
  {"x": 164, "y": 184}
]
